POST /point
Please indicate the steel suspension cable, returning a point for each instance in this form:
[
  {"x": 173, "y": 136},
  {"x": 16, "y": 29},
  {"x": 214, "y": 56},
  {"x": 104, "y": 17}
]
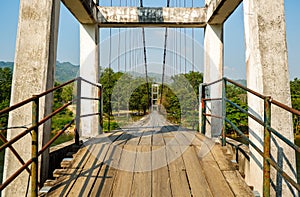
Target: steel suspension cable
[
  {"x": 184, "y": 5},
  {"x": 119, "y": 50},
  {"x": 109, "y": 75},
  {"x": 164, "y": 59},
  {"x": 145, "y": 60},
  {"x": 193, "y": 44}
]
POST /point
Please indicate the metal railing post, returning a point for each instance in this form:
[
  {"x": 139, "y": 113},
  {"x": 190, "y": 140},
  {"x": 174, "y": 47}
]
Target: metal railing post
[
  {"x": 267, "y": 147},
  {"x": 34, "y": 147},
  {"x": 203, "y": 108},
  {"x": 78, "y": 111},
  {"x": 224, "y": 112},
  {"x": 100, "y": 109}
]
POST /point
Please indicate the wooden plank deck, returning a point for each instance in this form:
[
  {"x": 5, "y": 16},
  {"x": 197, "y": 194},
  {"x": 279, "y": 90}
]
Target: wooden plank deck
[{"x": 153, "y": 159}]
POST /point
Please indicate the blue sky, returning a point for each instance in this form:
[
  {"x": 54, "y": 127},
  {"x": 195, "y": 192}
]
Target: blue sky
[{"x": 234, "y": 57}]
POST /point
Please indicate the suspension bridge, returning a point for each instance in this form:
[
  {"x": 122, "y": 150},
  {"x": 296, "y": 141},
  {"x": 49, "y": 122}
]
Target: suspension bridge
[{"x": 152, "y": 156}]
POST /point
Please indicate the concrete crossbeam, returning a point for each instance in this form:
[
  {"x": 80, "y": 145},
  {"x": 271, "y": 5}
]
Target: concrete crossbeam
[
  {"x": 152, "y": 17},
  {"x": 83, "y": 10},
  {"x": 215, "y": 12},
  {"x": 219, "y": 10},
  {"x": 86, "y": 12}
]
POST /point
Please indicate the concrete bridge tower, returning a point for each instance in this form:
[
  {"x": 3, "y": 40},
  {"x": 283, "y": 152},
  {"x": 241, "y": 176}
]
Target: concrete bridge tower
[{"x": 34, "y": 69}]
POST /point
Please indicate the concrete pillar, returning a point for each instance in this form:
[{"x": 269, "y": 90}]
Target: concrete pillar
[
  {"x": 213, "y": 70},
  {"x": 34, "y": 68},
  {"x": 89, "y": 70},
  {"x": 267, "y": 73}
]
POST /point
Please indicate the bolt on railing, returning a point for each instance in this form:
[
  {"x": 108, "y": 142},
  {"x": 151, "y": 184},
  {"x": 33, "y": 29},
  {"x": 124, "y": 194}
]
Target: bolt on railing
[
  {"x": 266, "y": 123},
  {"x": 35, "y": 153}
]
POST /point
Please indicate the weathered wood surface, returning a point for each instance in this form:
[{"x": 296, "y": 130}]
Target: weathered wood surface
[{"x": 153, "y": 159}]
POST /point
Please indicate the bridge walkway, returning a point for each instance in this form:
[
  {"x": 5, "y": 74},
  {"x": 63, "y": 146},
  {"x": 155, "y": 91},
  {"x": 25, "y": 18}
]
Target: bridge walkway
[{"x": 150, "y": 158}]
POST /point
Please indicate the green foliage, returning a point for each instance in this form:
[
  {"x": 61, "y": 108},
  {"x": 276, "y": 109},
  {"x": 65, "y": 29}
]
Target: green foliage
[
  {"x": 180, "y": 98},
  {"x": 61, "y": 119},
  {"x": 119, "y": 89},
  {"x": 9, "y": 65},
  {"x": 195, "y": 79},
  {"x": 113, "y": 125},
  {"x": 139, "y": 99},
  {"x": 60, "y": 97},
  {"x": 295, "y": 92},
  {"x": 67, "y": 93},
  {"x": 108, "y": 78},
  {"x": 171, "y": 103},
  {"x": 62, "y": 138},
  {"x": 239, "y": 97},
  {"x": 5, "y": 89},
  {"x": 65, "y": 71}
]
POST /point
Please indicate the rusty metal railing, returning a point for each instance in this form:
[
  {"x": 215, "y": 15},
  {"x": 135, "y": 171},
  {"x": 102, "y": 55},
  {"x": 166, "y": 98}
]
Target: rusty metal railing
[
  {"x": 34, "y": 130},
  {"x": 266, "y": 123}
]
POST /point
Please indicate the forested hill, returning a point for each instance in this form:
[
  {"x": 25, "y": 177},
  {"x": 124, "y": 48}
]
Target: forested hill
[
  {"x": 6, "y": 65},
  {"x": 65, "y": 71}
]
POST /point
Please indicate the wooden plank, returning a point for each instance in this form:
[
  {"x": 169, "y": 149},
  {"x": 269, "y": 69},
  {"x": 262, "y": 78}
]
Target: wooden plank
[
  {"x": 123, "y": 181},
  {"x": 157, "y": 139},
  {"x": 135, "y": 138},
  {"x": 88, "y": 175},
  {"x": 85, "y": 181},
  {"x": 201, "y": 136},
  {"x": 169, "y": 138},
  {"x": 104, "y": 181},
  {"x": 215, "y": 179},
  {"x": 196, "y": 141},
  {"x": 196, "y": 176},
  {"x": 223, "y": 162},
  {"x": 146, "y": 138},
  {"x": 191, "y": 137},
  {"x": 124, "y": 177},
  {"x": 204, "y": 153},
  {"x": 65, "y": 183},
  {"x": 141, "y": 185},
  {"x": 105, "y": 178},
  {"x": 160, "y": 176},
  {"x": 81, "y": 157},
  {"x": 237, "y": 183},
  {"x": 178, "y": 176},
  {"x": 179, "y": 184},
  {"x": 182, "y": 139}
]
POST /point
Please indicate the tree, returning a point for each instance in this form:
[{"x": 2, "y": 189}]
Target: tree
[
  {"x": 60, "y": 97},
  {"x": 139, "y": 98},
  {"x": 180, "y": 98},
  {"x": 5, "y": 91},
  {"x": 108, "y": 80},
  {"x": 295, "y": 94},
  {"x": 240, "y": 119}
]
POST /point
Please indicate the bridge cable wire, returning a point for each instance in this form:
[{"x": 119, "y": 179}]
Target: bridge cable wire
[
  {"x": 145, "y": 60},
  {"x": 119, "y": 50},
  {"x": 184, "y": 5},
  {"x": 193, "y": 53},
  {"x": 193, "y": 44},
  {"x": 177, "y": 45},
  {"x": 109, "y": 75},
  {"x": 164, "y": 59}
]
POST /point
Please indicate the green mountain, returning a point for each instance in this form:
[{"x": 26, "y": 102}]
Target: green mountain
[
  {"x": 65, "y": 71},
  {"x": 7, "y": 65},
  {"x": 242, "y": 82}
]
